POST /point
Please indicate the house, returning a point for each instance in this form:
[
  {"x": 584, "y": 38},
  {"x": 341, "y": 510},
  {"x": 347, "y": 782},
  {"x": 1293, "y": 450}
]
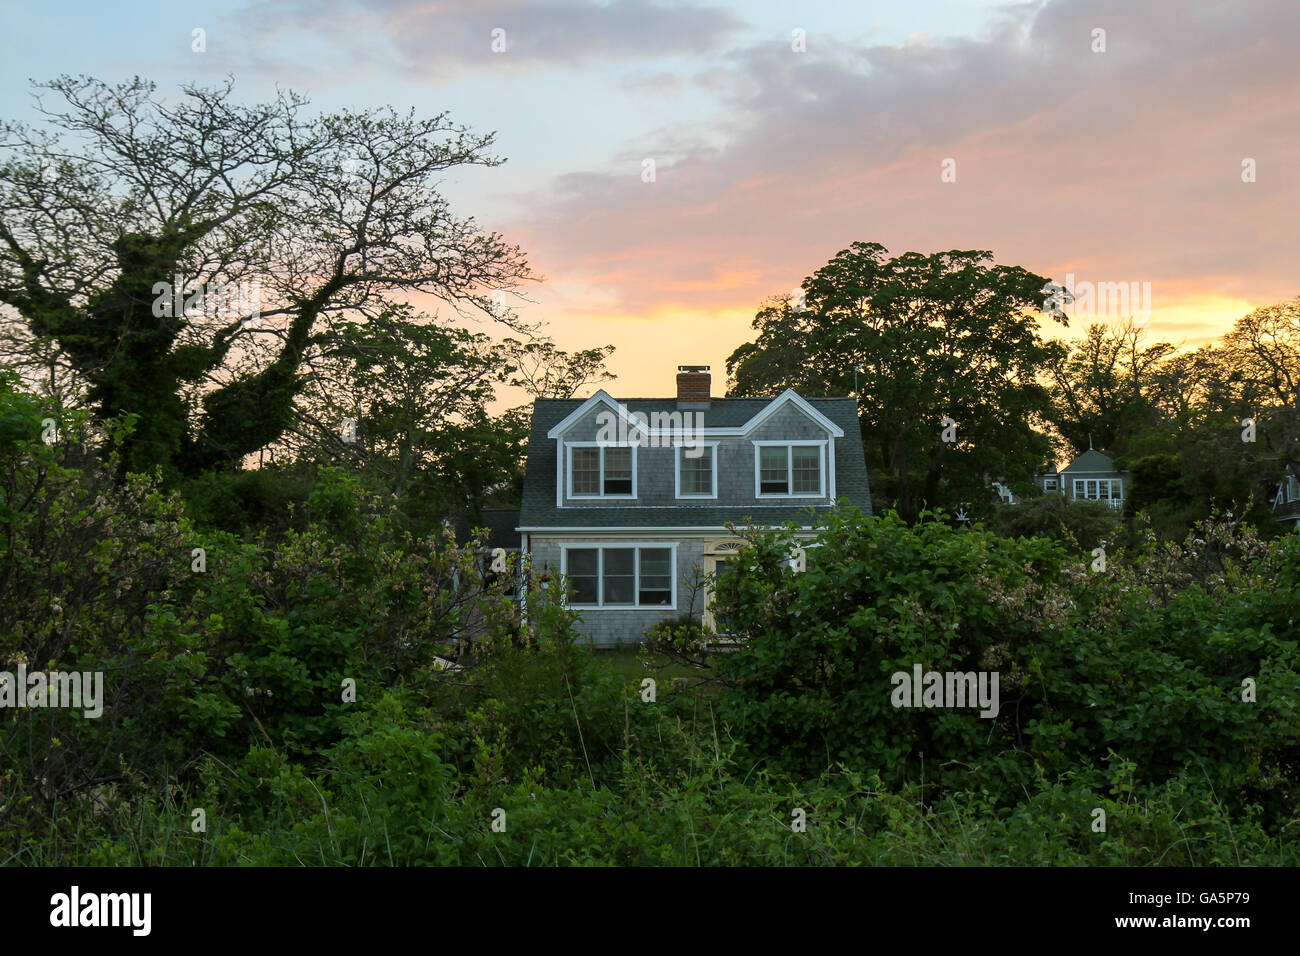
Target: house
[
  {"x": 628, "y": 500},
  {"x": 1286, "y": 503},
  {"x": 1090, "y": 477}
]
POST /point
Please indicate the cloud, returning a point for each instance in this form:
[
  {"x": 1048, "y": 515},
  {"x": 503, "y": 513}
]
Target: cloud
[
  {"x": 441, "y": 38},
  {"x": 1123, "y": 165}
]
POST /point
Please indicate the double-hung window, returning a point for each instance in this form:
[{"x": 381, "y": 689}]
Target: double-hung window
[
  {"x": 790, "y": 470},
  {"x": 697, "y": 477},
  {"x": 602, "y": 471},
  {"x": 620, "y": 576}
]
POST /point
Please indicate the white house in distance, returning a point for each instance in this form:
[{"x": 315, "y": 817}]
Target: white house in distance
[
  {"x": 1286, "y": 503},
  {"x": 1090, "y": 477}
]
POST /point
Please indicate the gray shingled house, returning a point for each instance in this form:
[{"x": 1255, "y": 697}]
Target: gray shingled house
[
  {"x": 628, "y": 500},
  {"x": 1090, "y": 477}
]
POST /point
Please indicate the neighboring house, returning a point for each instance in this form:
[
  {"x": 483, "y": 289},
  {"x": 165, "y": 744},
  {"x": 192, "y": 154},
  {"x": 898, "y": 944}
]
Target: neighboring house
[
  {"x": 1005, "y": 494},
  {"x": 1286, "y": 503},
  {"x": 628, "y": 500},
  {"x": 1090, "y": 477}
]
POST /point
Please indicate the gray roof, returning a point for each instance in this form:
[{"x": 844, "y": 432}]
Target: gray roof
[
  {"x": 499, "y": 522},
  {"x": 1091, "y": 460},
  {"x": 538, "y": 508}
]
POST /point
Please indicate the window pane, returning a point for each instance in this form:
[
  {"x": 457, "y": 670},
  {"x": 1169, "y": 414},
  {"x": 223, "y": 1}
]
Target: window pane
[
  {"x": 618, "y": 471},
  {"x": 807, "y": 470},
  {"x": 586, "y": 471},
  {"x": 656, "y": 564},
  {"x": 656, "y": 576},
  {"x": 697, "y": 473},
  {"x": 583, "y": 578},
  {"x": 619, "y": 575},
  {"x": 772, "y": 478}
]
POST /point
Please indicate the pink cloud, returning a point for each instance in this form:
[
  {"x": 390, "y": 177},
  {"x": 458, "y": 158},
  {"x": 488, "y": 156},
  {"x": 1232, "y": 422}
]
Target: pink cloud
[{"x": 1123, "y": 165}]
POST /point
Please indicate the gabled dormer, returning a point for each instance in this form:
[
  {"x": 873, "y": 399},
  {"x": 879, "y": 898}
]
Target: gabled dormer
[{"x": 694, "y": 450}]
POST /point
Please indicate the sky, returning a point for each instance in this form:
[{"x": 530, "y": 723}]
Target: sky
[{"x": 1154, "y": 142}]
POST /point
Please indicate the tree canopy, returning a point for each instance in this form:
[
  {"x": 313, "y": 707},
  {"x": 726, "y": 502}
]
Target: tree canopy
[
  {"x": 921, "y": 340},
  {"x": 126, "y": 205}
]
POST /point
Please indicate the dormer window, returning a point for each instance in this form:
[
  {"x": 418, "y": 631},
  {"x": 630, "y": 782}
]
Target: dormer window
[
  {"x": 601, "y": 471},
  {"x": 790, "y": 470},
  {"x": 697, "y": 471}
]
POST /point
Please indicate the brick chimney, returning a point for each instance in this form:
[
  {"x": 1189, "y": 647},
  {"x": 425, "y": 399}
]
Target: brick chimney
[{"x": 693, "y": 383}]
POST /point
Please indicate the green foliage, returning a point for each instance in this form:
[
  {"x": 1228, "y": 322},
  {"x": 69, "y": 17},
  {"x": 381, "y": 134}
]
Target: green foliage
[
  {"x": 1147, "y": 658},
  {"x": 683, "y": 638},
  {"x": 251, "y": 644},
  {"x": 1121, "y": 690},
  {"x": 821, "y": 645},
  {"x": 266, "y": 499},
  {"x": 1077, "y": 525}
]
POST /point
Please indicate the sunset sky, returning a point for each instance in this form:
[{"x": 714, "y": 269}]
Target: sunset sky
[{"x": 1117, "y": 166}]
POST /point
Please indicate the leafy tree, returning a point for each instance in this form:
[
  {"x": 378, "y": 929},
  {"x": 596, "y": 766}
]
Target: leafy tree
[
  {"x": 128, "y": 200},
  {"x": 407, "y": 396},
  {"x": 919, "y": 339},
  {"x": 408, "y": 399},
  {"x": 544, "y": 371},
  {"x": 1081, "y": 525},
  {"x": 1102, "y": 388},
  {"x": 1263, "y": 351}
]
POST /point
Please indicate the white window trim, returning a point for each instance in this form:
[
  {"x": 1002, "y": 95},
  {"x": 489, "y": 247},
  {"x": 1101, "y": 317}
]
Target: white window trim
[
  {"x": 789, "y": 467},
  {"x": 1114, "y": 488},
  {"x": 568, "y": 471},
  {"x": 600, "y": 547},
  {"x": 679, "y": 453}
]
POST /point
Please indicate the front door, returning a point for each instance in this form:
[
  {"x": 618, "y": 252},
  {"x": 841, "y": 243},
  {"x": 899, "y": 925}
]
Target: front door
[{"x": 715, "y": 566}]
